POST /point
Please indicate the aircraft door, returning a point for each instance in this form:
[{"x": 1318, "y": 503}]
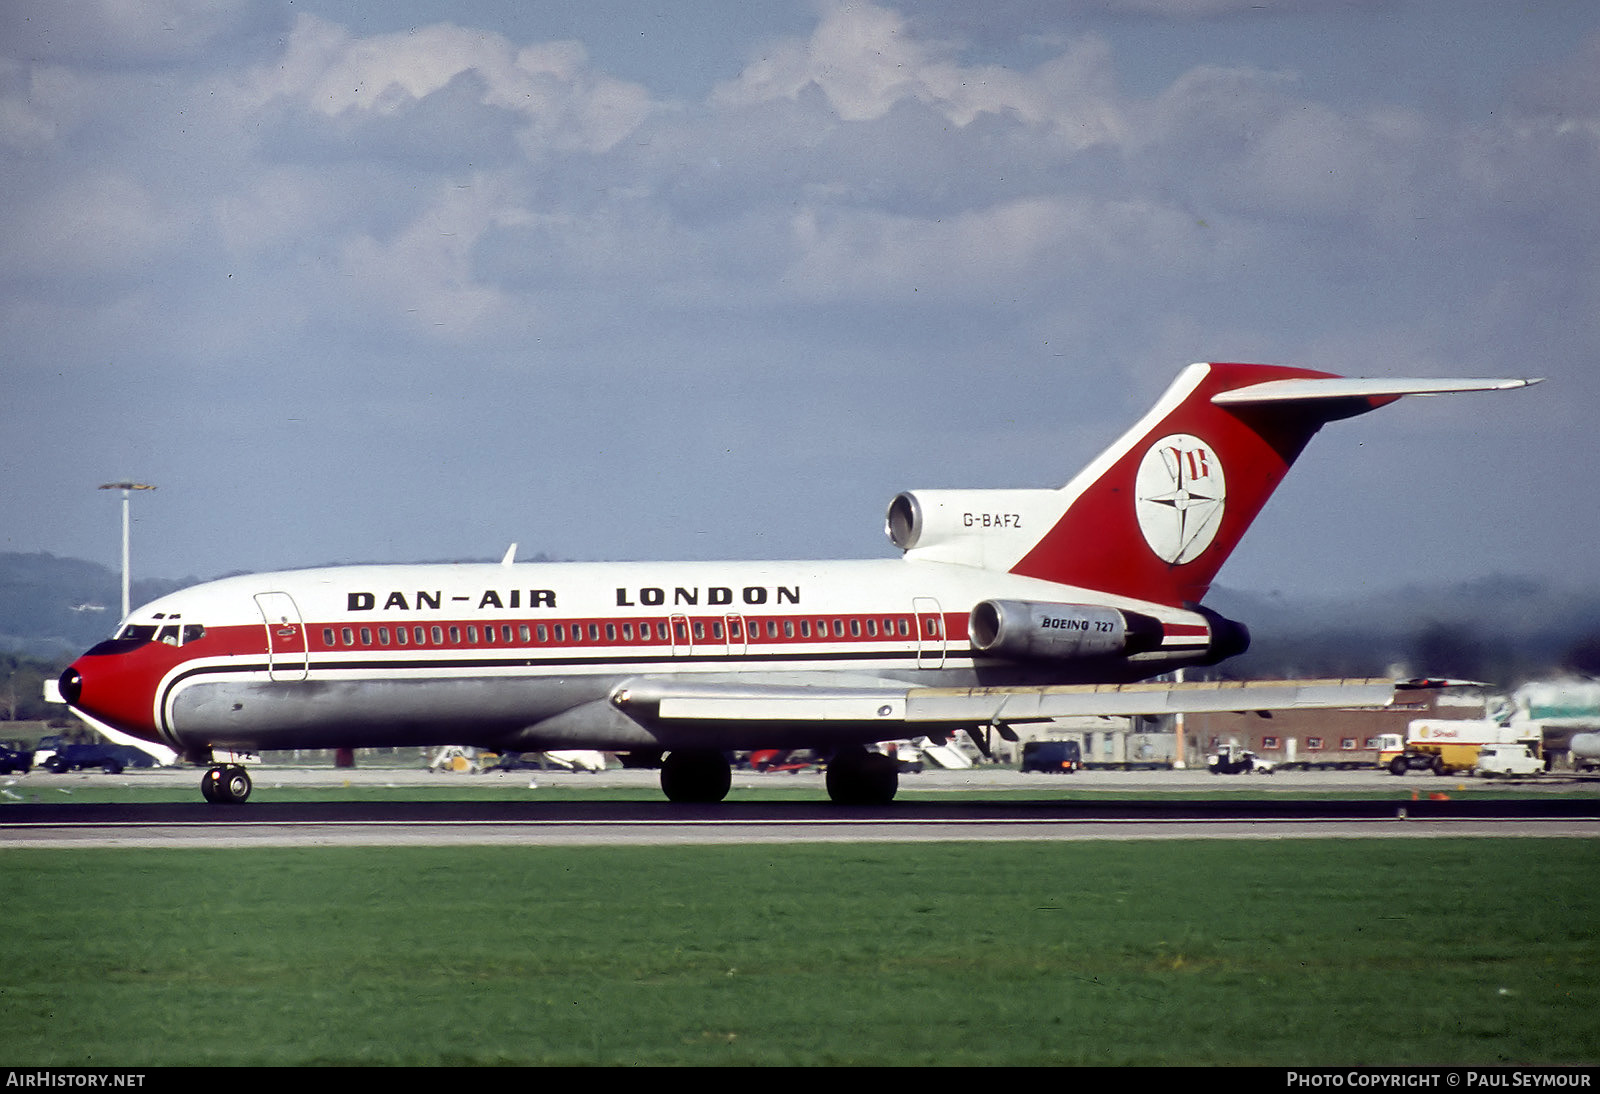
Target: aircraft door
[
  {"x": 288, "y": 657},
  {"x": 930, "y": 632},
  {"x": 737, "y": 634},
  {"x": 682, "y": 640}
]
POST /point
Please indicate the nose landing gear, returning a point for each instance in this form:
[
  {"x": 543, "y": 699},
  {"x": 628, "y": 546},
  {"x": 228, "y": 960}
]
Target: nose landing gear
[{"x": 226, "y": 784}]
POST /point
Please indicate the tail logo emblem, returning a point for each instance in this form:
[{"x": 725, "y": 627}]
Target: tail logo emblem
[{"x": 1181, "y": 493}]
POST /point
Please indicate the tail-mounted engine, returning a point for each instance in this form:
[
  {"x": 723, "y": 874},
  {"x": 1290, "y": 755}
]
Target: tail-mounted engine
[
  {"x": 1030, "y": 629},
  {"x": 990, "y": 528}
]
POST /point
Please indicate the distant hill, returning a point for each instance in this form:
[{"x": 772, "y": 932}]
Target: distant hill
[
  {"x": 50, "y": 605},
  {"x": 1500, "y": 629}
]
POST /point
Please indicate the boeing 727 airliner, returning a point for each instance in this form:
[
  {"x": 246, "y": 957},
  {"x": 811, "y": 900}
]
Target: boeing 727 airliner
[{"x": 1009, "y": 606}]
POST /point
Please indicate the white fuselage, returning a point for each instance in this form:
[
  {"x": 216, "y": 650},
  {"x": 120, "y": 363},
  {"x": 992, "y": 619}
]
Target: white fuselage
[{"x": 524, "y": 655}]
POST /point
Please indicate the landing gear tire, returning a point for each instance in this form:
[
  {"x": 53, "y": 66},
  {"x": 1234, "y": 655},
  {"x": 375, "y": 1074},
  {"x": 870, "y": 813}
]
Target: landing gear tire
[
  {"x": 226, "y": 786},
  {"x": 858, "y": 777},
  {"x": 697, "y": 776}
]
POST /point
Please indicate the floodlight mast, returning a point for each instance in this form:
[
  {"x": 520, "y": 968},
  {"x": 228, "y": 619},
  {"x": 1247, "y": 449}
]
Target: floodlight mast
[{"x": 125, "y": 487}]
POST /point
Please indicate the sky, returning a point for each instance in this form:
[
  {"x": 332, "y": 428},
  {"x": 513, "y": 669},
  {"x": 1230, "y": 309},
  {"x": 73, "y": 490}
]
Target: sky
[{"x": 645, "y": 280}]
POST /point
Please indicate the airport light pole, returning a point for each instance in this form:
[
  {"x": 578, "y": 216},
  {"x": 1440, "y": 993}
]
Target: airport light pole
[{"x": 126, "y": 488}]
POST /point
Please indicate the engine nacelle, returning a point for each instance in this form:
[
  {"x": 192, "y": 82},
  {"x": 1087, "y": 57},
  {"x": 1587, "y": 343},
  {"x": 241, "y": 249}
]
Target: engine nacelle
[
  {"x": 1028, "y": 628},
  {"x": 975, "y": 527}
]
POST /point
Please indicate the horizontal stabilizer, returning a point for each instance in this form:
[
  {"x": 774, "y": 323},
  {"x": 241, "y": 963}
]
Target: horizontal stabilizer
[{"x": 1341, "y": 387}]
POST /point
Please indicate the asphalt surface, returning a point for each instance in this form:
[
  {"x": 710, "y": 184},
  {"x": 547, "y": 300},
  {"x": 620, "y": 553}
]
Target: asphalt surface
[{"x": 38, "y": 810}]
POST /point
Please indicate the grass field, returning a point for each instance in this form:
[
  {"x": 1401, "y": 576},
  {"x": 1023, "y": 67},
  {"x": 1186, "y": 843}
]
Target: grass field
[{"x": 1295, "y": 952}]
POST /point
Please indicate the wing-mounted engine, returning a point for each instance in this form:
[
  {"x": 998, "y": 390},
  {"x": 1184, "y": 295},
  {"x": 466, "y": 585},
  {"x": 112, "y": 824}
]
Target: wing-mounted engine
[
  {"x": 1034, "y": 630},
  {"x": 987, "y": 528}
]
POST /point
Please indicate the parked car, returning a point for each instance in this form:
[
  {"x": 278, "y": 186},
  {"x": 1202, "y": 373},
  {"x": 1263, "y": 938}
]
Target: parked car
[
  {"x": 1231, "y": 760},
  {"x": 1052, "y": 757},
  {"x": 14, "y": 758},
  {"x": 60, "y": 756}
]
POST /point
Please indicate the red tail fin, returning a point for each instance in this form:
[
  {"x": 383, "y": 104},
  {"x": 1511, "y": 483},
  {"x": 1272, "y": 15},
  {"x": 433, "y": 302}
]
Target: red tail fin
[{"x": 1157, "y": 514}]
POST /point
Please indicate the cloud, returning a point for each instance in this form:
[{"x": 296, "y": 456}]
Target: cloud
[
  {"x": 866, "y": 60},
  {"x": 95, "y": 226},
  {"x": 875, "y": 221},
  {"x": 560, "y": 103},
  {"x": 118, "y": 32}
]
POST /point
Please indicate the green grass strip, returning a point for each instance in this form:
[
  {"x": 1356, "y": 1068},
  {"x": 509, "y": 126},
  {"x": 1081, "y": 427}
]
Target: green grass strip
[{"x": 1304, "y": 952}]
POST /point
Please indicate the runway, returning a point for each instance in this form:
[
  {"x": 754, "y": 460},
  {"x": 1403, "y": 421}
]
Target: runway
[{"x": 1133, "y": 806}]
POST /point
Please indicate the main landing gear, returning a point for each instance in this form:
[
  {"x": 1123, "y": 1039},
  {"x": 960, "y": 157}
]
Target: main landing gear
[
  {"x": 855, "y": 776},
  {"x": 226, "y": 784},
  {"x": 858, "y": 777},
  {"x": 695, "y": 776}
]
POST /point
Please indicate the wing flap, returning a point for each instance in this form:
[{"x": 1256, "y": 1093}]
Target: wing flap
[
  {"x": 951, "y": 705},
  {"x": 892, "y": 706}
]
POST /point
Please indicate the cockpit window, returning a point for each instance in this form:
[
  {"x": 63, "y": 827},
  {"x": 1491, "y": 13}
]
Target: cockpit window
[{"x": 172, "y": 634}]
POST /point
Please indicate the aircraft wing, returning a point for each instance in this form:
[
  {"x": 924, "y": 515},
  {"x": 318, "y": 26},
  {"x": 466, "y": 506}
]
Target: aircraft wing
[{"x": 901, "y": 709}]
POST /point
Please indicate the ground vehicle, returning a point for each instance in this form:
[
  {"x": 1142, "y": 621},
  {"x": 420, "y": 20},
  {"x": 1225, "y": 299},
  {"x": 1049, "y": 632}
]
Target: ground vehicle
[
  {"x": 1446, "y": 745},
  {"x": 1232, "y": 760},
  {"x": 14, "y": 759},
  {"x": 61, "y": 756},
  {"x": 1052, "y": 757},
  {"x": 1508, "y": 759},
  {"x": 1585, "y": 751},
  {"x": 548, "y": 761}
]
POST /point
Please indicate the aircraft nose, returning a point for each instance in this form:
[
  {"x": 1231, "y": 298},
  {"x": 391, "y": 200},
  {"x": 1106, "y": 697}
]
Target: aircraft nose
[{"x": 116, "y": 684}]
